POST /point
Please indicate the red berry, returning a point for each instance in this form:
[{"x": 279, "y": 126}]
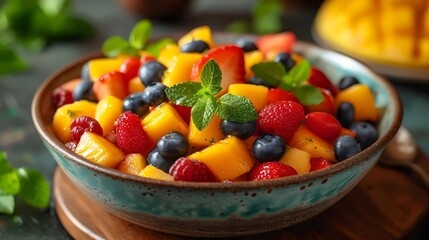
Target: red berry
[
  {"x": 82, "y": 124},
  {"x": 185, "y": 169},
  {"x": 278, "y": 94},
  {"x": 144, "y": 59},
  {"x": 130, "y": 135},
  {"x": 185, "y": 112},
  {"x": 281, "y": 118},
  {"x": 319, "y": 79},
  {"x": 319, "y": 163},
  {"x": 130, "y": 68},
  {"x": 270, "y": 170},
  {"x": 323, "y": 125},
  {"x": 61, "y": 97},
  {"x": 327, "y": 105}
]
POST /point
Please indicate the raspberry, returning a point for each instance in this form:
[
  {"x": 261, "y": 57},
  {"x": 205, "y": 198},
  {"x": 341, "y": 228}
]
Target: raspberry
[
  {"x": 61, "y": 97},
  {"x": 130, "y": 135},
  {"x": 270, "y": 170},
  {"x": 185, "y": 169},
  {"x": 82, "y": 124},
  {"x": 281, "y": 118}
]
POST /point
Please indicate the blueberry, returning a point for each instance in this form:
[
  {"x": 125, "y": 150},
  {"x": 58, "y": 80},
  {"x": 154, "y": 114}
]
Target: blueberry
[
  {"x": 258, "y": 81},
  {"x": 268, "y": 147},
  {"x": 346, "y": 146},
  {"x": 157, "y": 160},
  {"x": 347, "y": 81},
  {"x": 154, "y": 94},
  {"x": 196, "y": 46},
  {"x": 366, "y": 133},
  {"x": 151, "y": 72},
  {"x": 84, "y": 74},
  {"x": 172, "y": 145},
  {"x": 135, "y": 103},
  {"x": 285, "y": 59},
  {"x": 84, "y": 91},
  {"x": 240, "y": 130},
  {"x": 346, "y": 114},
  {"x": 246, "y": 44}
]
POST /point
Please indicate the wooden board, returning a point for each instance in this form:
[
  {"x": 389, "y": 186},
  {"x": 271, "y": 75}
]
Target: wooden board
[{"x": 387, "y": 204}]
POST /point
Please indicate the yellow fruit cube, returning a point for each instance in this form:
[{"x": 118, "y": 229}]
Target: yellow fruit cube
[
  {"x": 209, "y": 135},
  {"x": 107, "y": 111},
  {"x": 167, "y": 55},
  {"x": 298, "y": 159},
  {"x": 250, "y": 59},
  {"x": 100, "y": 66},
  {"x": 203, "y": 33},
  {"x": 162, "y": 120},
  {"x": 99, "y": 150},
  {"x": 255, "y": 93},
  {"x": 155, "y": 173},
  {"x": 64, "y": 116},
  {"x": 180, "y": 68},
  {"x": 133, "y": 163},
  {"x": 135, "y": 85},
  {"x": 361, "y": 97},
  {"x": 227, "y": 159}
]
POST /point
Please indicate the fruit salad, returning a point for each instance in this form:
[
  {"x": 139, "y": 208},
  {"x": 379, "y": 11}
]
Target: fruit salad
[{"x": 200, "y": 111}]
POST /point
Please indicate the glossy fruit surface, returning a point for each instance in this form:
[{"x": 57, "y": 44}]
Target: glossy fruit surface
[
  {"x": 196, "y": 46},
  {"x": 130, "y": 68},
  {"x": 185, "y": 169},
  {"x": 173, "y": 145},
  {"x": 157, "y": 160},
  {"x": 347, "y": 81},
  {"x": 319, "y": 79},
  {"x": 285, "y": 59},
  {"x": 240, "y": 130},
  {"x": 268, "y": 147},
  {"x": 154, "y": 94},
  {"x": 135, "y": 103},
  {"x": 112, "y": 83},
  {"x": 82, "y": 124},
  {"x": 346, "y": 114},
  {"x": 323, "y": 125},
  {"x": 345, "y": 147},
  {"x": 319, "y": 163},
  {"x": 270, "y": 170},
  {"x": 366, "y": 133},
  {"x": 151, "y": 72},
  {"x": 83, "y": 91},
  {"x": 278, "y": 94},
  {"x": 61, "y": 97},
  {"x": 246, "y": 44},
  {"x": 276, "y": 43},
  {"x": 130, "y": 136}
]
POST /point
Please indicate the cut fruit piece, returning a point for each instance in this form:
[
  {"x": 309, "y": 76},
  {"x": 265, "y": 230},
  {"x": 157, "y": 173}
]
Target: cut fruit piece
[
  {"x": 298, "y": 159},
  {"x": 180, "y": 68},
  {"x": 271, "y": 45},
  {"x": 151, "y": 171},
  {"x": 101, "y": 66},
  {"x": 209, "y": 135},
  {"x": 203, "y": 33},
  {"x": 133, "y": 163},
  {"x": 99, "y": 150},
  {"x": 361, "y": 97},
  {"x": 111, "y": 83},
  {"x": 107, "y": 111},
  {"x": 255, "y": 93}
]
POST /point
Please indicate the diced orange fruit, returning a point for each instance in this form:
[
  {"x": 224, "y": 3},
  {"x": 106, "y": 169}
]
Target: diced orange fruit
[
  {"x": 151, "y": 171},
  {"x": 107, "y": 111},
  {"x": 167, "y": 55},
  {"x": 227, "y": 159},
  {"x": 133, "y": 163},
  {"x": 135, "y": 85},
  {"x": 307, "y": 141},
  {"x": 361, "y": 97},
  {"x": 257, "y": 94},
  {"x": 203, "y": 33},
  {"x": 64, "y": 116},
  {"x": 101, "y": 66},
  {"x": 180, "y": 68},
  {"x": 298, "y": 159},
  {"x": 249, "y": 141},
  {"x": 207, "y": 136},
  {"x": 162, "y": 120},
  {"x": 112, "y": 83},
  {"x": 99, "y": 150},
  {"x": 250, "y": 59}
]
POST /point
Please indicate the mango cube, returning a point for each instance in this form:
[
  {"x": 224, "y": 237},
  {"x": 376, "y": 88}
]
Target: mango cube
[
  {"x": 133, "y": 163},
  {"x": 151, "y": 171},
  {"x": 107, "y": 111},
  {"x": 203, "y": 33},
  {"x": 101, "y": 66},
  {"x": 207, "y": 136},
  {"x": 298, "y": 159},
  {"x": 180, "y": 68},
  {"x": 361, "y": 97},
  {"x": 250, "y": 59},
  {"x": 255, "y": 93}
]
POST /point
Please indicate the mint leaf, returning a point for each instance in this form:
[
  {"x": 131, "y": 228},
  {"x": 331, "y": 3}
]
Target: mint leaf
[
  {"x": 4, "y": 164},
  {"x": 9, "y": 182},
  {"x": 35, "y": 189},
  {"x": 7, "y": 204},
  {"x": 155, "y": 47},
  {"x": 270, "y": 72},
  {"x": 267, "y": 16},
  {"x": 183, "y": 94},
  {"x": 236, "y": 109},
  {"x": 202, "y": 112},
  {"x": 140, "y": 34},
  {"x": 117, "y": 45},
  {"x": 211, "y": 76},
  {"x": 239, "y": 26},
  {"x": 54, "y": 7},
  {"x": 308, "y": 95},
  {"x": 299, "y": 73}
]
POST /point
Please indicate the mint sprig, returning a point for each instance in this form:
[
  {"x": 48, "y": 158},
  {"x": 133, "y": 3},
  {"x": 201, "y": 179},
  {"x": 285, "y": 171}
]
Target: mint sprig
[
  {"x": 30, "y": 185},
  {"x": 294, "y": 80},
  {"x": 202, "y": 97},
  {"x": 137, "y": 41}
]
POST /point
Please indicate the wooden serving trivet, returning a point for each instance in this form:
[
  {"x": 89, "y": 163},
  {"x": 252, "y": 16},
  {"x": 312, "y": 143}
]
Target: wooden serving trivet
[{"x": 387, "y": 204}]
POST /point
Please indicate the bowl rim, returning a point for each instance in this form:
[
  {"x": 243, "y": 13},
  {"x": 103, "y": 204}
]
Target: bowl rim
[{"x": 49, "y": 138}]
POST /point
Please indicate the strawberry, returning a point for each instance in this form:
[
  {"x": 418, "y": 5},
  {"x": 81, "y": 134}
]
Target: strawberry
[
  {"x": 185, "y": 169},
  {"x": 130, "y": 135},
  {"x": 276, "y": 43},
  {"x": 230, "y": 59},
  {"x": 278, "y": 94},
  {"x": 281, "y": 118},
  {"x": 270, "y": 170},
  {"x": 327, "y": 105},
  {"x": 112, "y": 83},
  {"x": 319, "y": 79},
  {"x": 130, "y": 68},
  {"x": 319, "y": 163},
  {"x": 185, "y": 112}
]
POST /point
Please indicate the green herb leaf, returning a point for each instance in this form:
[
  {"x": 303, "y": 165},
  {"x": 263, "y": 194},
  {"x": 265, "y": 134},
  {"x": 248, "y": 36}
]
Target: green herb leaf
[
  {"x": 267, "y": 16},
  {"x": 270, "y": 72},
  {"x": 117, "y": 45},
  {"x": 54, "y": 7},
  {"x": 239, "y": 26},
  {"x": 299, "y": 73},
  {"x": 308, "y": 95},
  {"x": 140, "y": 34},
  {"x": 155, "y": 47},
  {"x": 183, "y": 94},
  {"x": 9, "y": 182},
  {"x": 203, "y": 111},
  {"x": 7, "y": 204},
  {"x": 10, "y": 61},
  {"x": 236, "y": 109},
  {"x": 35, "y": 189},
  {"x": 211, "y": 76}
]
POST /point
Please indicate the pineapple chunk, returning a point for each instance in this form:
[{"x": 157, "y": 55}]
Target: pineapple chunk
[
  {"x": 209, "y": 135},
  {"x": 133, "y": 163},
  {"x": 99, "y": 150},
  {"x": 107, "y": 111},
  {"x": 298, "y": 159},
  {"x": 155, "y": 173},
  {"x": 257, "y": 94}
]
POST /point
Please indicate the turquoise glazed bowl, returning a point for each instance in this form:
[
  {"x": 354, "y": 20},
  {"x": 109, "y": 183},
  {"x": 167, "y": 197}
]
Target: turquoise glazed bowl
[{"x": 223, "y": 209}]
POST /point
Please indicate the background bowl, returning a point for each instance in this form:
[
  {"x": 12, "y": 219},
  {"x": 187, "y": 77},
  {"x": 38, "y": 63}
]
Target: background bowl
[{"x": 223, "y": 209}]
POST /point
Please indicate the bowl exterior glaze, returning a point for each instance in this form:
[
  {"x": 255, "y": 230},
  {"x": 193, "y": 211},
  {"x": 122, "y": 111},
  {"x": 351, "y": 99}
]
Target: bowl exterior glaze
[{"x": 224, "y": 209}]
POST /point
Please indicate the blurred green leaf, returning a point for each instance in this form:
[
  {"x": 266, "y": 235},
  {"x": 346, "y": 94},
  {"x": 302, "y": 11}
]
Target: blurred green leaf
[
  {"x": 116, "y": 45},
  {"x": 267, "y": 16},
  {"x": 35, "y": 189},
  {"x": 10, "y": 61},
  {"x": 54, "y": 7},
  {"x": 239, "y": 26},
  {"x": 140, "y": 34},
  {"x": 155, "y": 47},
  {"x": 7, "y": 204}
]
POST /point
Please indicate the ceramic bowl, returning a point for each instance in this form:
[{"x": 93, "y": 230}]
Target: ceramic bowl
[{"x": 223, "y": 209}]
